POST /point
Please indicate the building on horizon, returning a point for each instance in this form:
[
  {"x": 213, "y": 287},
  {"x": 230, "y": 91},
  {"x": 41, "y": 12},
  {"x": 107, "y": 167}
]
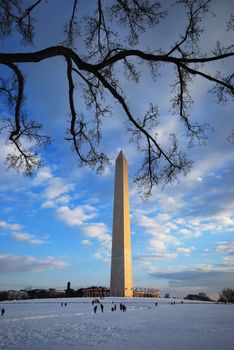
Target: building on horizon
[{"x": 146, "y": 293}]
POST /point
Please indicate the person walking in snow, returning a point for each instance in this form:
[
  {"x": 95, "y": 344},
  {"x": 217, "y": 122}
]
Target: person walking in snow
[
  {"x": 2, "y": 311},
  {"x": 95, "y": 309},
  {"x": 102, "y": 307}
]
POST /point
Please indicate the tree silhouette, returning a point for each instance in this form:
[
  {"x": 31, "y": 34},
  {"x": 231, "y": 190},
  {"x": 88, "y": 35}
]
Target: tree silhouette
[
  {"x": 227, "y": 295},
  {"x": 104, "y": 33}
]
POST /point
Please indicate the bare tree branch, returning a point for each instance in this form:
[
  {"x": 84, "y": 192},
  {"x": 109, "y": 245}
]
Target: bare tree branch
[
  {"x": 22, "y": 20},
  {"x": 98, "y": 67},
  {"x": 79, "y": 136},
  {"x": 20, "y": 79},
  {"x": 71, "y": 28}
]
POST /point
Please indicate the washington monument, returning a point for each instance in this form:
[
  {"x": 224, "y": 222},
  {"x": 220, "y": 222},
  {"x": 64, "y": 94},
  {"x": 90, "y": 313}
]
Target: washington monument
[{"x": 121, "y": 259}]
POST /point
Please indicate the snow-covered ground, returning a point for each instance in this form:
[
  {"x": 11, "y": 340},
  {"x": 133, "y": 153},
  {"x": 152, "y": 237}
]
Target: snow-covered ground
[{"x": 45, "y": 324}]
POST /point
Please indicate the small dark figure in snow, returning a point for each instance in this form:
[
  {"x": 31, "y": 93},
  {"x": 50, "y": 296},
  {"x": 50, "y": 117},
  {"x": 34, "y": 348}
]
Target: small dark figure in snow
[
  {"x": 102, "y": 307},
  {"x": 121, "y": 306},
  {"x": 115, "y": 307},
  {"x": 2, "y": 311},
  {"x": 95, "y": 309},
  {"x": 61, "y": 304},
  {"x": 65, "y": 304},
  {"x": 156, "y": 304},
  {"x": 124, "y": 308}
]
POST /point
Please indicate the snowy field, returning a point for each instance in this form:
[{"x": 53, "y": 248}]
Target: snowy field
[{"x": 45, "y": 324}]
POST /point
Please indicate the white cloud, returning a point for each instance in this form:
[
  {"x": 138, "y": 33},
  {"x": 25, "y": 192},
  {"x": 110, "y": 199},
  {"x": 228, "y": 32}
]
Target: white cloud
[
  {"x": 172, "y": 226},
  {"x": 227, "y": 220},
  {"x": 227, "y": 263},
  {"x": 199, "y": 272},
  {"x": 103, "y": 257},
  {"x": 206, "y": 165},
  {"x": 57, "y": 187},
  {"x": 42, "y": 176},
  {"x": 180, "y": 221},
  {"x": 164, "y": 255},
  {"x": 15, "y": 263},
  {"x": 186, "y": 251},
  {"x": 28, "y": 238},
  {"x": 159, "y": 233},
  {"x": 167, "y": 127},
  {"x": 163, "y": 217},
  {"x": 225, "y": 247},
  {"x": 157, "y": 244},
  {"x": 64, "y": 199},
  {"x": 189, "y": 232},
  {"x": 171, "y": 204},
  {"x": 79, "y": 217},
  {"x": 219, "y": 223},
  {"x": 148, "y": 261},
  {"x": 86, "y": 242},
  {"x": 97, "y": 230},
  {"x": 49, "y": 204},
  {"x": 76, "y": 216},
  {"x": 107, "y": 171},
  {"x": 21, "y": 236},
  {"x": 146, "y": 265},
  {"x": 145, "y": 261},
  {"x": 151, "y": 225},
  {"x": 7, "y": 226}
]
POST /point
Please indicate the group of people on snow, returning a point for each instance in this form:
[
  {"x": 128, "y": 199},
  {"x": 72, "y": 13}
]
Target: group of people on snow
[{"x": 122, "y": 307}]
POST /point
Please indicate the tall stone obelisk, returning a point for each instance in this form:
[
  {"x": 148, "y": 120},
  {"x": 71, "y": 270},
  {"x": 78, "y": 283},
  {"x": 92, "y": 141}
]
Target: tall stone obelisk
[{"x": 121, "y": 259}]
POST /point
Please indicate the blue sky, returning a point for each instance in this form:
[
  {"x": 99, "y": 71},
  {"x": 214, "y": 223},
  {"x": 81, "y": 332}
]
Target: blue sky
[{"x": 56, "y": 226}]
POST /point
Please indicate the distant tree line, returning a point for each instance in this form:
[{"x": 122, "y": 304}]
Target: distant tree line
[
  {"x": 227, "y": 295},
  {"x": 3, "y": 295},
  {"x": 53, "y": 293},
  {"x": 200, "y": 296}
]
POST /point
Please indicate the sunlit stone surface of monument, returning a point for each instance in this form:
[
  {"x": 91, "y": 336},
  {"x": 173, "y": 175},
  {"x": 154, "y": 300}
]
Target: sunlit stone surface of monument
[{"x": 121, "y": 259}]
